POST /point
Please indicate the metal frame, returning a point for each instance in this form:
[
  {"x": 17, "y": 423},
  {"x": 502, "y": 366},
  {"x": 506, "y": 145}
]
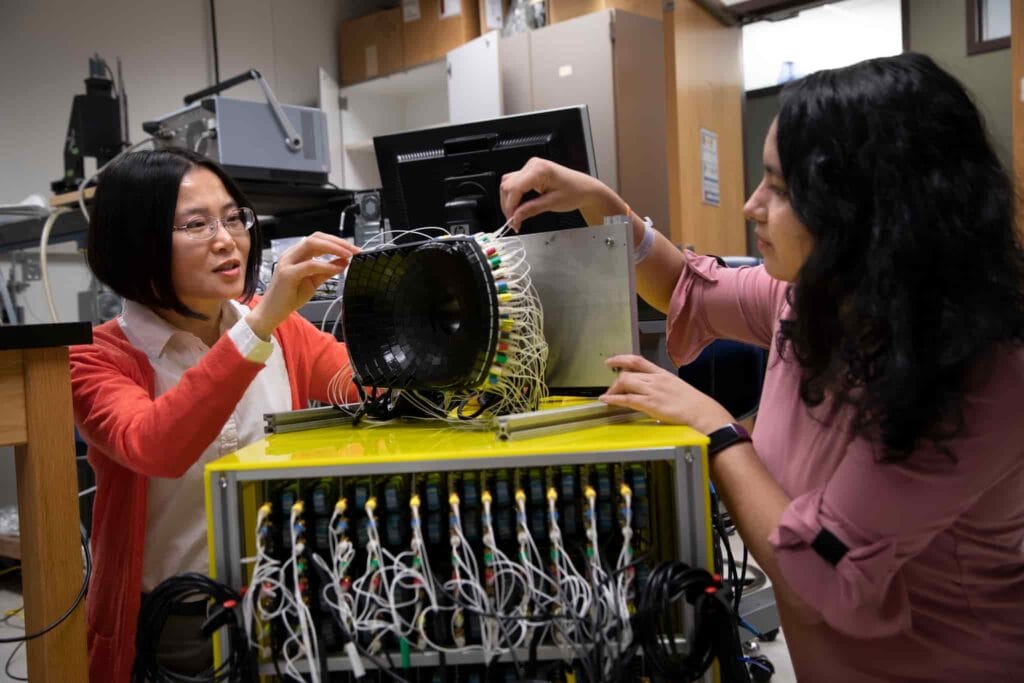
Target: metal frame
[
  {"x": 691, "y": 502},
  {"x": 977, "y": 44}
]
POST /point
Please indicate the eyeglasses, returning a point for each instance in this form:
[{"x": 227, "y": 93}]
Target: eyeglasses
[{"x": 237, "y": 222}]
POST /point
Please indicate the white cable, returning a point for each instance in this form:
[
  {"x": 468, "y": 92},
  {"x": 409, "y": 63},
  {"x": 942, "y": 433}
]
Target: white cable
[
  {"x": 44, "y": 240},
  {"x": 306, "y": 629},
  {"x": 5, "y": 295},
  {"x": 515, "y": 381},
  {"x": 85, "y": 181}
]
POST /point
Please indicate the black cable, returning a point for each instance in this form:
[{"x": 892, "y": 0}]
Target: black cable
[
  {"x": 347, "y": 637},
  {"x": 216, "y": 54},
  {"x": 743, "y": 583},
  {"x": 10, "y": 660},
  {"x": 713, "y": 634},
  {"x": 520, "y": 673},
  {"x": 74, "y": 605},
  {"x": 531, "y": 667},
  {"x": 735, "y": 583},
  {"x": 238, "y": 667}
]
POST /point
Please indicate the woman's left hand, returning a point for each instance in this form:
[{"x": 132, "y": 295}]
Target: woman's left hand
[
  {"x": 302, "y": 268},
  {"x": 642, "y": 385}
]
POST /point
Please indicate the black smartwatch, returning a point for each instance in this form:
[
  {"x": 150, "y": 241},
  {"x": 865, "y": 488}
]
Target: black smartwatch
[{"x": 726, "y": 436}]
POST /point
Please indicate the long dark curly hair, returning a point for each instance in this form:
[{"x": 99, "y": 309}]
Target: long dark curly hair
[{"x": 917, "y": 269}]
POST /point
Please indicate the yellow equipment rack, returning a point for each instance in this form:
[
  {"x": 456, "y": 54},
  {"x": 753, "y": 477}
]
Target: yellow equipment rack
[{"x": 233, "y": 481}]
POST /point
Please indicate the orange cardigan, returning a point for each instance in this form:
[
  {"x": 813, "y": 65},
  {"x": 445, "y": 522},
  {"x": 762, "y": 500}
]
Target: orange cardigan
[{"x": 132, "y": 437}]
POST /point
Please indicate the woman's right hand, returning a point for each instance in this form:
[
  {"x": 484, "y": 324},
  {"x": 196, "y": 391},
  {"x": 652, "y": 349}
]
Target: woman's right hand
[
  {"x": 560, "y": 189},
  {"x": 297, "y": 275}
]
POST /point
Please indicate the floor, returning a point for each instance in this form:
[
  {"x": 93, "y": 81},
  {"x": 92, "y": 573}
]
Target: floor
[
  {"x": 778, "y": 653},
  {"x": 776, "y": 650},
  {"x": 10, "y": 599}
]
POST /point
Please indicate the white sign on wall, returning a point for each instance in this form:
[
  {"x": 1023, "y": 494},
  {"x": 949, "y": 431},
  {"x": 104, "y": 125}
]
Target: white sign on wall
[
  {"x": 450, "y": 8},
  {"x": 410, "y": 10},
  {"x": 493, "y": 12},
  {"x": 710, "y": 190}
]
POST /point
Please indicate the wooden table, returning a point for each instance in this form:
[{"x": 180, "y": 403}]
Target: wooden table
[{"x": 36, "y": 418}]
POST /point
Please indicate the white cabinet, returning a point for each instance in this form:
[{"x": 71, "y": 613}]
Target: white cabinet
[
  {"x": 611, "y": 61},
  {"x": 474, "y": 80},
  {"x": 410, "y": 99},
  {"x": 465, "y": 86}
]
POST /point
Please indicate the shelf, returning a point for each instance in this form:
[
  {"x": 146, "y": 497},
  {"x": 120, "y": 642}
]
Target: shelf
[
  {"x": 10, "y": 546},
  {"x": 427, "y": 77},
  {"x": 361, "y": 147}
]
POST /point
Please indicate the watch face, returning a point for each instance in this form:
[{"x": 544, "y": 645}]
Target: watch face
[{"x": 727, "y": 436}]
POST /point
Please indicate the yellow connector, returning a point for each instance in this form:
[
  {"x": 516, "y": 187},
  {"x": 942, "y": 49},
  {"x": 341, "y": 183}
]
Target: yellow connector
[
  {"x": 341, "y": 505},
  {"x": 590, "y": 493},
  {"x": 266, "y": 509},
  {"x": 298, "y": 507},
  {"x": 486, "y": 497},
  {"x": 414, "y": 501},
  {"x": 625, "y": 491},
  {"x": 371, "y": 504},
  {"x": 453, "y": 499},
  {"x": 552, "y": 494},
  {"x": 520, "y": 496}
]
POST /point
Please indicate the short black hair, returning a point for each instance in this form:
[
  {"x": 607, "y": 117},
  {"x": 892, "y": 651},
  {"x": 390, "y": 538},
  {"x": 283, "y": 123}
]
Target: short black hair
[
  {"x": 917, "y": 267},
  {"x": 130, "y": 230}
]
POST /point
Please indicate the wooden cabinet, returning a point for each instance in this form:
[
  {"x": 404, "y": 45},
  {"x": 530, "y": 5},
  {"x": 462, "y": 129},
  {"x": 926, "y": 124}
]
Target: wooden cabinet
[{"x": 705, "y": 96}]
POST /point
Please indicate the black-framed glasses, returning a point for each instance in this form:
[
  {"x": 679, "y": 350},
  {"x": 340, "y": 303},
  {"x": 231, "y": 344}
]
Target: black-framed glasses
[{"x": 237, "y": 222}]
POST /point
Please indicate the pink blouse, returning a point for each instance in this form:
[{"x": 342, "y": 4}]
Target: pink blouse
[{"x": 932, "y": 587}]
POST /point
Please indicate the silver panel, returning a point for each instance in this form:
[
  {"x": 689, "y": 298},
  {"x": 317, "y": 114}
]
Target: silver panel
[
  {"x": 559, "y": 420},
  {"x": 691, "y": 497},
  {"x": 248, "y": 135},
  {"x": 587, "y": 287}
]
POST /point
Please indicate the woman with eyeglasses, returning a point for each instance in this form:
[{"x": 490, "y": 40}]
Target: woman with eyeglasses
[
  {"x": 883, "y": 490},
  {"x": 181, "y": 377}
]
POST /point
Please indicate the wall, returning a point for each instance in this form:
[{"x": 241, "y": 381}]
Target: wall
[
  {"x": 166, "y": 52},
  {"x": 938, "y": 29},
  {"x": 758, "y": 112}
]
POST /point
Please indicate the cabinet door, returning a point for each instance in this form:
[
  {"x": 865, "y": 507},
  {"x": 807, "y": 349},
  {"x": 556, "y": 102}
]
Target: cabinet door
[
  {"x": 572, "y": 64},
  {"x": 328, "y": 101},
  {"x": 474, "y": 81}
]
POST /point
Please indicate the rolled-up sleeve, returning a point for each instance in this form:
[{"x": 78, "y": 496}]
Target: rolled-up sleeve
[
  {"x": 712, "y": 301},
  {"x": 862, "y": 595},
  {"x": 886, "y": 514}
]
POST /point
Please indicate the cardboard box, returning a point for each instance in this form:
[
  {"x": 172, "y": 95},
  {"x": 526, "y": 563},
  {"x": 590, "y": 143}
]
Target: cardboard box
[
  {"x": 371, "y": 46},
  {"x": 492, "y": 15},
  {"x": 430, "y": 28},
  {"x": 560, "y": 10}
]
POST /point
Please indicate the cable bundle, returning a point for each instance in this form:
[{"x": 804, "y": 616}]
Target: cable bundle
[
  {"x": 713, "y": 635},
  {"x": 497, "y": 606},
  {"x": 275, "y": 595},
  {"x": 506, "y": 366},
  {"x": 157, "y": 607}
]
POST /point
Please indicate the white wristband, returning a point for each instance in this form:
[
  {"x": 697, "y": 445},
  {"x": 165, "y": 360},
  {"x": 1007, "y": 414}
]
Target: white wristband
[{"x": 643, "y": 249}]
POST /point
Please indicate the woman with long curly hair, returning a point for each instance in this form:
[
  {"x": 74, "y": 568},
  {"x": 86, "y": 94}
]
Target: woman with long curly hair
[{"x": 883, "y": 488}]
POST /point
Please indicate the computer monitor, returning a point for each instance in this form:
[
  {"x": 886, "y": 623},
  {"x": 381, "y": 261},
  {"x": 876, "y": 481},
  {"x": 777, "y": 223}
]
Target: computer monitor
[{"x": 449, "y": 176}]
